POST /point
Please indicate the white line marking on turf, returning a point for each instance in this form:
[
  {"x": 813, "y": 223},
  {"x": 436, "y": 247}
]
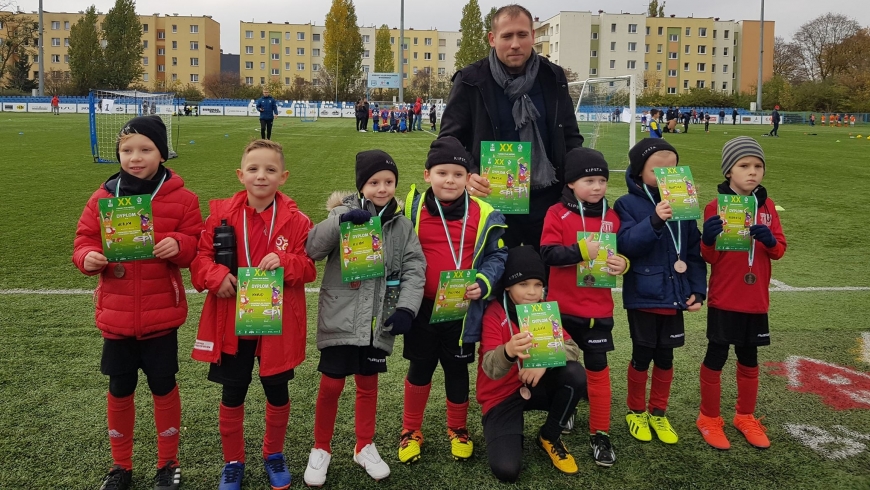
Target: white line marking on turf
[{"x": 865, "y": 351}]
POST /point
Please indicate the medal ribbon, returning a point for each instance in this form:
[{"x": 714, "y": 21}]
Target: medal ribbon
[
  {"x": 678, "y": 239},
  {"x": 245, "y": 228},
  {"x": 362, "y": 202},
  {"x": 601, "y": 229},
  {"x": 162, "y": 180},
  {"x": 456, "y": 259},
  {"x": 752, "y": 240},
  {"x": 507, "y": 317}
]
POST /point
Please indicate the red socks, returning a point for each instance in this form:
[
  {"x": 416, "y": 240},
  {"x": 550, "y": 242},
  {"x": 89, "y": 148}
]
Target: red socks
[
  {"x": 711, "y": 391},
  {"x": 121, "y": 415},
  {"x": 167, "y": 420},
  {"x": 232, "y": 428},
  {"x": 326, "y": 411},
  {"x": 457, "y": 415},
  {"x": 636, "y": 399},
  {"x": 660, "y": 388},
  {"x": 747, "y": 389},
  {"x": 416, "y": 398},
  {"x": 366, "y": 408},
  {"x": 598, "y": 387},
  {"x": 276, "y": 428}
]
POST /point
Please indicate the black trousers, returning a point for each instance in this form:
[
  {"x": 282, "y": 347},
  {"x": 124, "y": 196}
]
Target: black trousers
[
  {"x": 266, "y": 129},
  {"x": 775, "y": 130}
]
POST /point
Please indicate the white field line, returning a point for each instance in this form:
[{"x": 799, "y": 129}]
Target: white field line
[
  {"x": 865, "y": 348},
  {"x": 775, "y": 286}
]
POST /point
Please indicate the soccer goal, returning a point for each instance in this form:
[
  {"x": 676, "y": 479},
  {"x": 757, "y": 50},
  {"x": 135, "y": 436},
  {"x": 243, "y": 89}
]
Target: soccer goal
[
  {"x": 605, "y": 114},
  {"x": 308, "y": 111},
  {"x": 110, "y": 109}
]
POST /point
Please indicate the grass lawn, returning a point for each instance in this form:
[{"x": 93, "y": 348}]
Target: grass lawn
[{"x": 53, "y": 429}]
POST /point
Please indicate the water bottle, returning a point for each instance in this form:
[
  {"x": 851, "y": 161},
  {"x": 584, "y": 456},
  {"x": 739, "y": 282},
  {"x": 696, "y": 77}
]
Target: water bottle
[
  {"x": 225, "y": 247},
  {"x": 391, "y": 297}
]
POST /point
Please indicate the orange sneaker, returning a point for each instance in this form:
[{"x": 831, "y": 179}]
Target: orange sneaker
[
  {"x": 711, "y": 429},
  {"x": 753, "y": 430}
]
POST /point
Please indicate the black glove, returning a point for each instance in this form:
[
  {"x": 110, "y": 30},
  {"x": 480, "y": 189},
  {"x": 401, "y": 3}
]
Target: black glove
[
  {"x": 763, "y": 234},
  {"x": 401, "y": 321},
  {"x": 356, "y": 216},
  {"x": 712, "y": 229}
]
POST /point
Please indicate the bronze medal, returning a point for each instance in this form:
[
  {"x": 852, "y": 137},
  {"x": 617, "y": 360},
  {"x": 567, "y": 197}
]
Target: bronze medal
[
  {"x": 589, "y": 280},
  {"x": 680, "y": 266},
  {"x": 750, "y": 278},
  {"x": 525, "y": 392},
  {"x": 119, "y": 270}
]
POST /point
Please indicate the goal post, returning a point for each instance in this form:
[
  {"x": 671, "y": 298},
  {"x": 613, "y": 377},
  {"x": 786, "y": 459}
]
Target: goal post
[
  {"x": 108, "y": 110},
  {"x": 606, "y": 111}
]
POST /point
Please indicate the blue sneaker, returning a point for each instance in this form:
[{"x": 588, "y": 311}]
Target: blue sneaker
[
  {"x": 231, "y": 476},
  {"x": 276, "y": 468}
]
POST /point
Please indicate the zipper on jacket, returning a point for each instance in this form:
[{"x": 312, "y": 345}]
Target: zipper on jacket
[
  {"x": 137, "y": 294},
  {"x": 485, "y": 236}
]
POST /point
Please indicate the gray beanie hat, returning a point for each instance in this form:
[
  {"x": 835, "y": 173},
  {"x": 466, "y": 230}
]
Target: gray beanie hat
[{"x": 737, "y": 148}]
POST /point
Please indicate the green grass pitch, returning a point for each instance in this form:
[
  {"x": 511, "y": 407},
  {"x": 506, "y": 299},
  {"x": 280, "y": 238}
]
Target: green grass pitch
[{"x": 52, "y": 422}]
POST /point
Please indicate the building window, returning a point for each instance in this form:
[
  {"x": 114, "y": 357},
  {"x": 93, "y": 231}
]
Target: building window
[
  {"x": 194, "y": 78},
  {"x": 300, "y": 66},
  {"x": 726, "y": 33},
  {"x": 672, "y": 73},
  {"x": 659, "y": 49},
  {"x": 287, "y": 50},
  {"x": 612, "y": 27},
  {"x": 262, "y": 49},
  {"x": 442, "y": 71},
  {"x": 700, "y": 84},
  {"x": 613, "y": 46},
  {"x": 686, "y": 84},
  {"x": 249, "y": 80},
  {"x": 194, "y": 29},
  {"x": 724, "y": 85},
  {"x": 658, "y": 66},
  {"x": 415, "y": 41},
  {"x": 415, "y": 55},
  {"x": 194, "y": 62},
  {"x": 366, "y": 53},
  {"x": 688, "y": 31},
  {"x": 631, "y": 64},
  {"x": 315, "y": 67},
  {"x": 702, "y": 49},
  {"x": 442, "y": 43},
  {"x": 594, "y": 36},
  {"x": 174, "y": 61},
  {"x": 262, "y": 80},
  {"x": 714, "y": 50},
  {"x": 262, "y": 34},
  {"x": 249, "y": 34},
  {"x": 55, "y": 58},
  {"x": 315, "y": 38},
  {"x": 249, "y": 50},
  {"x": 66, "y": 25},
  {"x": 262, "y": 65},
  {"x": 175, "y": 45},
  {"x": 161, "y": 51},
  {"x": 702, "y": 31},
  {"x": 612, "y": 64},
  {"x": 442, "y": 57},
  {"x": 174, "y": 28},
  {"x": 661, "y": 31},
  {"x": 316, "y": 52},
  {"x": 144, "y": 77},
  {"x": 724, "y": 68},
  {"x": 161, "y": 35},
  {"x": 632, "y": 28},
  {"x": 672, "y": 55},
  {"x": 286, "y": 80},
  {"x": 673, "y": 38},
  {"x": 415, "y": 70},
  {"x": 593, "y": 54},
  {"x": 405, "y": 62},
  {"x": 287, "y": 66},
  {"x": 427, "y": 41},
  {"x": 702, "y": 66},
  {"x": 275, "y": 71},
  {"x": 365, "y": 38},
  {"x": 392, "y": 40},
  {"x": 145, "y": 61},
  {"x": 713, "y": 68},
  {"x": 300, "y": 51},
  {"x": 55, "y": 25},
  {"x": 427, "y": 56},
  {"x": 194, "y": 45},
  {"x": 647, "y": 30},
  {"x": 144, "y": 44},
  {"x": 276, "y": 56},
  {"x": 672, "y": 90},
  {"x": 685, "y": 67},
  {"x": 557, "y": 28},
  {"x": 557, "y": 46},
  {"x": 275, "y": 40},
  {"x": 632, "y": 46},
  {"x": 300, "y": 36},
  {"x": 144, "y": 27},
  {"x": 161, "y": 68},
  {"x": 459, "y": 42},
  {"x": 249, "y": 65},
  {"x": 724, "y": 51},
  {"x": 174, "y": 77},
  {"x": 688, "y": 49},
  {"x": 66, "y": 58},
  {"x": 55, "y": 41},
  {"x": 593, "y": 71},
  {"x": 646, "y": 48}
]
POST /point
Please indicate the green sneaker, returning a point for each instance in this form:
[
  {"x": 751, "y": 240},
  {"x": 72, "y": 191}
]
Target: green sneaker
[
  {"x": 660, "y": 425},
  {"x": 638, "y": 425}
]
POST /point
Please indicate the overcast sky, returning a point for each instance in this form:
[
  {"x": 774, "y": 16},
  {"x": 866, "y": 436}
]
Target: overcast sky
[{"x": 445, "y": 14}]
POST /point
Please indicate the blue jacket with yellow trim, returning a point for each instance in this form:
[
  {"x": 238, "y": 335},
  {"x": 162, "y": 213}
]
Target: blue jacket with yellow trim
[{"x": 489, "y": 257}]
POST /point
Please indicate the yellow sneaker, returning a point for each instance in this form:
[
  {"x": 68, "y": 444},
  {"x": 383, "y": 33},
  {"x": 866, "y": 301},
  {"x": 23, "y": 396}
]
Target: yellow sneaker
[
  {"x": 660, "y": 425},
  {"x": 409, "y": 446},
  {"x": 638, "y": 425},
  {"x": 559, "y": 455},
  {"x": 461, "y": 445}
]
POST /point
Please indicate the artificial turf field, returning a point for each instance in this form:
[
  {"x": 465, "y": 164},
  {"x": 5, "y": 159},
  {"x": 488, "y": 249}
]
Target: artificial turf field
[{"x": 52, "y": 422}]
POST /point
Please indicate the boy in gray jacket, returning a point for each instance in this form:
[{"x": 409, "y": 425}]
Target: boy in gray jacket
[{"x": 357, "y": 321}]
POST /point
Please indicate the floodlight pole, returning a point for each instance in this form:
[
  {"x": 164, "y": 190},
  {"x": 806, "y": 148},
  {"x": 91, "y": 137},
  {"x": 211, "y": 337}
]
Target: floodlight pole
[
  {"x": 402, "y": 53},
  {"x": 41, "y": 54},
  {"x": 760, "y": 61}
]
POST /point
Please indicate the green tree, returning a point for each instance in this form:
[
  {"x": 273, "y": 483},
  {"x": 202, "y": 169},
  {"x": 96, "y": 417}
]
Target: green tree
[
  {"x": 384, "y": 58},
  {"x": 17, "y": 34},
  {"x": 343, "y": 49},
  {"x": 85, "y": 54},
  {"x": 19, "y": 73},
  {"x": 487, "y": 24},
  {"x": 473, "y": 45},
  {"x": 655, "y": 10},
  {"x": 123, "y": 53}
]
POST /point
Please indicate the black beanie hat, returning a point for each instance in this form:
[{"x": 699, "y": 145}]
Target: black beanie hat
[
  {"x": 523, "y": 263},
  {"x": 370, "y": 162},
  {"x": 640, "y": 153},
  {"x": 448, "y": 149},
  {"x": 151, "y": 127},
  {"x": 584, "y": 162}
]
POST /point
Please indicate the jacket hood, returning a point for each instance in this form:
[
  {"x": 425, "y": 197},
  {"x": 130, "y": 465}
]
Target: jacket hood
[
  {"x": 637, "y": 188},
  {"x": 350, "y": 200}
]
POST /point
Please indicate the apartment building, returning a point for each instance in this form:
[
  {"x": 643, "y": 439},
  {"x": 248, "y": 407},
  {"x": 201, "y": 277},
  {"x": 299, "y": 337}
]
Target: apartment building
[
  {"x": 175, "y": 48},
  {"x": 670, "y": 54}
]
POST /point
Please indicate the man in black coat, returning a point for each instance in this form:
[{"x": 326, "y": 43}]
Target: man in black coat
[{"x": 482, "y": 104}]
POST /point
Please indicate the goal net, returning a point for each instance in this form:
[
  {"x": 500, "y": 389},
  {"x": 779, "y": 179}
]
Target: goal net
[
  {"x": 111, "y": 109},
  {"x": 307, "y": 111},
  {"x": 606, "y": 116}
]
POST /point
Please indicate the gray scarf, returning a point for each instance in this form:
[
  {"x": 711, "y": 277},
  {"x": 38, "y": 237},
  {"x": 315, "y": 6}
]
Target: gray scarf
[{"x": 525, "y": 115}]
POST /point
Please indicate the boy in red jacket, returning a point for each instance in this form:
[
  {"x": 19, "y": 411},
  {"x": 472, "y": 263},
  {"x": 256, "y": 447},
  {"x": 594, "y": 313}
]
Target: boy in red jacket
[
  {"x": 141, "y": 304},
  {"x": 587, "y": 313},
  {"x": 738, "y": 298},
  {"x": 270, "y": 233}
]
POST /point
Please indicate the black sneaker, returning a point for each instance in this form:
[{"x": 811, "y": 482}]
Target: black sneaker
[
  {"x": 168, "y": 477},
  {"x": 117, "y": 479},
  {"x": 602, "y": 450},
  {"x": 569, "y": 425}
]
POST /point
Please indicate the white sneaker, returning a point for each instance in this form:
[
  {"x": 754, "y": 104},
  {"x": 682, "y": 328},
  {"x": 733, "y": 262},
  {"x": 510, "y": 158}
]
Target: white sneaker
[
  {"x": 318, "y": 464},
  {"x": 369, "y": 459}
]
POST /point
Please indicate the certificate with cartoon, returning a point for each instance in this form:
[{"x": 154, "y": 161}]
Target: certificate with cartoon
[
  {"x": 450, "y": 301},
  {"x": 595, "y": 273},
  {"x": 677, "y": 186},
  {"x": 738, "y": 214},
  {"x": 127, "y": 227},
  {"x": 259, "y": 301},
  {"x": 507, "y": 166},
  {"x": 362, "y": 251},
  {"x": 544, "y": 322}
]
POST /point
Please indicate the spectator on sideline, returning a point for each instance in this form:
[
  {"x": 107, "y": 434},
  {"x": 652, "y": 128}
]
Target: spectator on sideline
[
  {"x": 55, "y": 105},
  {"x": 267, "y": 106},
  {"x": 721, "y": 116},
  {"x": 734, "y": 116}
]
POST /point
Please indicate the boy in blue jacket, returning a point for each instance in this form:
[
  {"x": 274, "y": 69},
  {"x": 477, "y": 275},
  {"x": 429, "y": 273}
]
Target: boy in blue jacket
[
  {"x": 267, "y": 106},
  {"x": 667, "y": 276}
]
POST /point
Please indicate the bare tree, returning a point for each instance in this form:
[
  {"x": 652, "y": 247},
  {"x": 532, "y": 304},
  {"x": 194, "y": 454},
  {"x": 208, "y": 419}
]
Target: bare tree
[
  {"x": 18, "y": 32},
  {"x": 786, "y": 59},
  {"x": 819, "y": 42}
]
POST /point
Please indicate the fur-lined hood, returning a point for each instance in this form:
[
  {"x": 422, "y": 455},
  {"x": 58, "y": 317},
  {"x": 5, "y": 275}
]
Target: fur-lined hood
[{"x": 350, "y": 200}]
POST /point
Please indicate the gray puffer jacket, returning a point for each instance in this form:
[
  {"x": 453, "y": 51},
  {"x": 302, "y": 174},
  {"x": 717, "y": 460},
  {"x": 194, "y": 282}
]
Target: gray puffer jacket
[{"x": 350, "y": 313}]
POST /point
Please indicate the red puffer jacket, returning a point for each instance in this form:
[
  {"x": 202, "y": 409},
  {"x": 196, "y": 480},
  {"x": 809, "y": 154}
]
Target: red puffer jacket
[
  {"x": 216, "y": 334},
  {"x": 149, "y": 298}
]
